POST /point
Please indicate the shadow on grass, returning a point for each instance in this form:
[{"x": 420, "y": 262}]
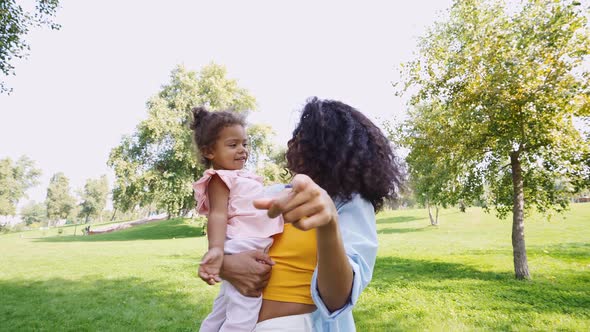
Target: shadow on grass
[
  {"x": 413, "y": 287},
  {"x": 166, "y": 229},
  {"x": 568, "y": 252},
  {"x": 573, "y": 251},
  {"x": 402, "y": 219},
  {"x": 401, "y": 230},
  {"x": 391, "y": 268},
  {"x": 128, "y": 304},
  {"x": 396, "y": 220}
]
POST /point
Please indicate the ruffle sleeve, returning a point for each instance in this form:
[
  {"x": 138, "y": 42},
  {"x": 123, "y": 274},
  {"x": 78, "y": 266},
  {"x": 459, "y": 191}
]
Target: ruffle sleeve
[{"x": 200, "y": 187}]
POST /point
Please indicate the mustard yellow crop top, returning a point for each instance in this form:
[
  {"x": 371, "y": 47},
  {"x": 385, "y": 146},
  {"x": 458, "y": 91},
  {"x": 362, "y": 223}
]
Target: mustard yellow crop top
[{"x": 295, "y": 254}]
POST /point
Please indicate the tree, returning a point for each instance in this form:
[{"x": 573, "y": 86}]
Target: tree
[
  {"x": 15, "y": 179},
  {"x": 94, "y": 198},
  {"x": 33, "y": 212},
  {"x": 260, "y": 143},
  {"x": 274, "y": 169},
  {"x": 265, "y": 158},
  {"x": 494, "y": 94},
  {"x": 59, "y": 202},
  {"x": 14, "y": 25},
  {"x": 157, "y": 164}
]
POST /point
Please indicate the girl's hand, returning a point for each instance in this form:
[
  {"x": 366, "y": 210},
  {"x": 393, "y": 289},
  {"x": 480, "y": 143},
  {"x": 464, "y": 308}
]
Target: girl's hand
[
  {"x": 247, "y": 271},
  {"x": 306, "y": 205},
  {"x": 211, "y": 266}
]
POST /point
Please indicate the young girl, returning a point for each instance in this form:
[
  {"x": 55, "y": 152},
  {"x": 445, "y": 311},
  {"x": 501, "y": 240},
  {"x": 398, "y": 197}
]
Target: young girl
[{"x": 225, "y": 194}]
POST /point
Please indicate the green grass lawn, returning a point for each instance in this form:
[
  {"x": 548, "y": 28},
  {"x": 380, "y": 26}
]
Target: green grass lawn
[{"x": 454, "y": 277}]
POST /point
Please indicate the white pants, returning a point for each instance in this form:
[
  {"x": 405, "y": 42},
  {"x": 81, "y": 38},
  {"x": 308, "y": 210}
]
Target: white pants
[
  {"x": 295, "y": 323},
  {"x": 233, "y": 311}
]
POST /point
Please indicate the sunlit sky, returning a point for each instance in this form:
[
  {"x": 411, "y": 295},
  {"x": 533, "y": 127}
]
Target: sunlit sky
[{"x": 85, "y": 86}]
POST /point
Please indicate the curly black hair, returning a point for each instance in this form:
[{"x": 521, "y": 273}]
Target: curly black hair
[
  {"x": 344, "y": 153},
  {"x": 207, "y": 125}
]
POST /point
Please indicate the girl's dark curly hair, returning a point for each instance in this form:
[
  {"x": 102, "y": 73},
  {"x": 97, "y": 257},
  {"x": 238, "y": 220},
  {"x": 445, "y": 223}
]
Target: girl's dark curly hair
[
  {"x": 344, "y": 153},
  {"x": 206, "y": 127}
]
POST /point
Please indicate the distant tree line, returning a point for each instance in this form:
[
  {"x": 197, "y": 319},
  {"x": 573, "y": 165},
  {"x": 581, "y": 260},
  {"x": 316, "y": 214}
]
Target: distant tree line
[{"x": 16, "y": 177}]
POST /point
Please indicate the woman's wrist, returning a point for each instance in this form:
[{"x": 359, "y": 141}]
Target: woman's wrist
[{"x": 330, "y": 227}]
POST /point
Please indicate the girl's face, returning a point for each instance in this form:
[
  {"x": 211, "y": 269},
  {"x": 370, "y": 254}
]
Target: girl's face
[{"x": 230, "y": 149}]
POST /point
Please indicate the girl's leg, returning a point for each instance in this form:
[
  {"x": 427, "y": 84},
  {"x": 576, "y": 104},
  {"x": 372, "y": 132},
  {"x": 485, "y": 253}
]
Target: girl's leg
[
  {"x": 216, "y": 318},
  {"x": 242, "y": 311}
]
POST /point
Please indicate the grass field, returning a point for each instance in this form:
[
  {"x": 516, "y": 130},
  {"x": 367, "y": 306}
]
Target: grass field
[{"x": 454, "y": 277}]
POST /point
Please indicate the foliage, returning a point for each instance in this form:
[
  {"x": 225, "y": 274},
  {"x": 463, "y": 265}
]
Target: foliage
[
  {"x": 94, "y": 198},
  {"x": 496, "y": 95},
  {"x": 75, "y": 216},
  {"x": 273, "y": 172},
  {"x": 15, "y": 23},
  {"x": 15, "y": 179},
  {"x": 265, "y": 158},
  {"x": 59, "y": 201},
  {"x": 33, "y": 212},
  {"x": 488, "y": 84},
  {"x": 260, "y": 143},
  {"x": 156, "y": 165}
]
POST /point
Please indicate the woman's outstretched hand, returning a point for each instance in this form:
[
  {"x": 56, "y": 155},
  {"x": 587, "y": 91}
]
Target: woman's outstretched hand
[{"x": 306, "y": 205}]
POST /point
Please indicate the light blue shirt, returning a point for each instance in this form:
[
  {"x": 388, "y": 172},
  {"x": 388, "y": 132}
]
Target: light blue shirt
[{"x": 356, "y": 220}]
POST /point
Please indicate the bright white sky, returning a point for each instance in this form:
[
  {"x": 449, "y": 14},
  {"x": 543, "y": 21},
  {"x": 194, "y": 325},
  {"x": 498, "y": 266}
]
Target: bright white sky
[{"x": 85, "y": 86}]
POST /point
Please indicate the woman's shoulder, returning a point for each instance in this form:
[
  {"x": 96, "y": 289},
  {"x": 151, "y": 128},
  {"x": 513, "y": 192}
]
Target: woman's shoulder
[
  {"x": 355, "y": 201},
  {"x": 355, "y": 213}
]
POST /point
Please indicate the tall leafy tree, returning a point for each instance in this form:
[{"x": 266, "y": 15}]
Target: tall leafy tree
[
  {"x": 15, "y": 179},
  {"x": 94, "y": 198},
  {"x": 494, "y": 94},
  {"x": 156, "y": 164},
  {"x": 15, "y": 23},
  {"x": 59, "y": 201}
]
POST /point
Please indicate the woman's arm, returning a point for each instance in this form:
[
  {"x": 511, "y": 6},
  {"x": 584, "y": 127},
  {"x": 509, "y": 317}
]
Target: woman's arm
[
  {"x": 247, "y": 271},
  {"x": 334, "y": 273},
  {"x": 308, "y": 206},
  {"x": 356, "y": 222}
]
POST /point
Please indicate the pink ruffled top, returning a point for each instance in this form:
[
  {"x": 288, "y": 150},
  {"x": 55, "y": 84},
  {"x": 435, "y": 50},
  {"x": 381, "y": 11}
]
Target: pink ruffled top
[{"x": 244, "y": 220}]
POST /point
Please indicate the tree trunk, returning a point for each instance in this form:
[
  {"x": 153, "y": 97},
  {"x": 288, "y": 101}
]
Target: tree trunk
[
  {"x": 436, "y": 220},
  {"x": 114, "y": 213},
  {"x": 521, "y": 268},
  {"x": 433, "y": 222}
]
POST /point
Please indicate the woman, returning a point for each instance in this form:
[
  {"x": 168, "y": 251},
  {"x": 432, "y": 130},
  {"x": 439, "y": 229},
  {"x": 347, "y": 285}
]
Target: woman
[{"x": 345, "y": 170}]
